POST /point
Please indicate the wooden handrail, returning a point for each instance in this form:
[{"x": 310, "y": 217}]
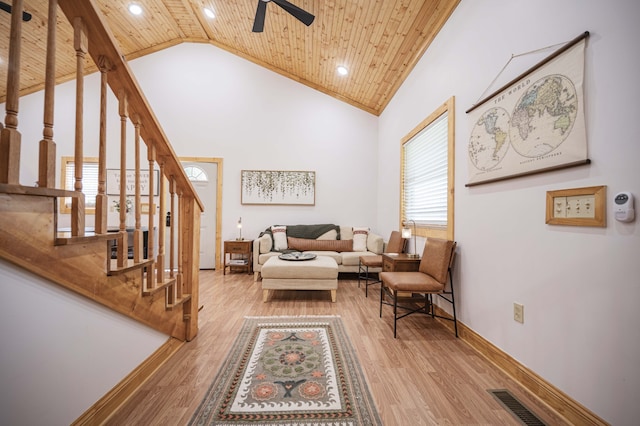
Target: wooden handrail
[{"x": 121, "y": 79}]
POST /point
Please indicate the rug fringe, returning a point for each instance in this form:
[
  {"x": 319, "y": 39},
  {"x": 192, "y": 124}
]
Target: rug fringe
[
  {"x": 301, "y": 424},
  {"x": 291, "y": 316}
]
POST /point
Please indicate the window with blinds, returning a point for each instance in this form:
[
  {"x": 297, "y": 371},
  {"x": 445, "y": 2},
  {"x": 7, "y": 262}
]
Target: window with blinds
[
  {"x": 427, "y": 174},
  {"x": 89, "y": 181}
]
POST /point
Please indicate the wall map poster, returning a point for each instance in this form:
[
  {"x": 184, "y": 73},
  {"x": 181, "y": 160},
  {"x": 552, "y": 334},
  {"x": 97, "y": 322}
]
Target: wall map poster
[{"x": 534, "y": 124}]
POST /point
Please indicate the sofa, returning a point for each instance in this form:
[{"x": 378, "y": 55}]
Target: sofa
[{"x": 344, "y": 244}]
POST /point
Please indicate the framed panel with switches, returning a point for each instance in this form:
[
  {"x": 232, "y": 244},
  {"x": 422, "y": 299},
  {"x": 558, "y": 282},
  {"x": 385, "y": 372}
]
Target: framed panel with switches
[{"x": 577, "y": 207}]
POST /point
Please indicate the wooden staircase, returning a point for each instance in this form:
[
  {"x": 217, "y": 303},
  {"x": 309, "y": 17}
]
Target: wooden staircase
[{"x": 80, "y": 259}]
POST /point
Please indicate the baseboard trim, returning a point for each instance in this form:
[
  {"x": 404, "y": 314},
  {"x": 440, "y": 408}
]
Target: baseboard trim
[
  {"x": 560, "y": 402},
  {"x": 99, "y": 412}
]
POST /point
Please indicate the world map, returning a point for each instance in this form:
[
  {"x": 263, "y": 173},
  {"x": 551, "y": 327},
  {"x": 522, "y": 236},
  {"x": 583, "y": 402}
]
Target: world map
[
  {"x": 489, "y": 139},
  {"x": 541, "y": 120},
  {"x": 533, "y": 124},
  {"x": 544, "y": 116}
]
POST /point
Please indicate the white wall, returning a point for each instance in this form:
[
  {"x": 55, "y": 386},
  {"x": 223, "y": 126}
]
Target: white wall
[
  {"x": 579, "y": 285},
  {"x": 214, "y": 104},
  {"x": 61, "y": 352}
]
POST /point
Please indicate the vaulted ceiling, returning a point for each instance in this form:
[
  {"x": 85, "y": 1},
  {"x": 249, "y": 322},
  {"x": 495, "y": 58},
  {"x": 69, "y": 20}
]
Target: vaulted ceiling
[{"x": 378, "y": 41}]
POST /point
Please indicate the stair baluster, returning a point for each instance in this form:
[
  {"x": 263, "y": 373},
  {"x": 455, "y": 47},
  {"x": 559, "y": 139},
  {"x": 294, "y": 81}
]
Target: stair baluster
[
  {"x": 9, "y": 135},
  {"x": 47, "y": 152},
  {"x": 80, "y": 43}
]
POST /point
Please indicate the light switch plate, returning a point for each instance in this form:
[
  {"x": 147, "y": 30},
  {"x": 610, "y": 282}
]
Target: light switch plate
[{"x": 518, "y": 312}]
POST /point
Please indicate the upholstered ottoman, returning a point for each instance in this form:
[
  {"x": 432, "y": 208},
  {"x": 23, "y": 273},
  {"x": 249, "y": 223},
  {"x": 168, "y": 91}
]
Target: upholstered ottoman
[{"x": 320, "y": 273}]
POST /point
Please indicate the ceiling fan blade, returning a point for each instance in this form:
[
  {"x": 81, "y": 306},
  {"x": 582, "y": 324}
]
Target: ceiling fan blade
[
  {"x": 7, "y": 8},
  {"x": 302, "y": 15},
  {"x": 258, "y": 23}
]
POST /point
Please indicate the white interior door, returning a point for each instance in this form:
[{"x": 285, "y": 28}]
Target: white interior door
[{"x": 203, "y": 176}]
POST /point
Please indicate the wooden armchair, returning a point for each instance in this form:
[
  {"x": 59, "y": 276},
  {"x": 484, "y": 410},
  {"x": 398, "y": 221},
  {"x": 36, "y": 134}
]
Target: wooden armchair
[
  {"x": 396, "y": 244},
  {"x": 414, "y": 290}
]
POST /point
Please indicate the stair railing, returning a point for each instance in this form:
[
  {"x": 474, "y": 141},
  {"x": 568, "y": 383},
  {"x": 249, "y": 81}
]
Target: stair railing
[{"x": 93, "y": 37}]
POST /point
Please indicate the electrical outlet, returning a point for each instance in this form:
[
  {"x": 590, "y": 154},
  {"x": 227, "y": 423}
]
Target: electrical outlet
[{"x": 518, "y": 312}]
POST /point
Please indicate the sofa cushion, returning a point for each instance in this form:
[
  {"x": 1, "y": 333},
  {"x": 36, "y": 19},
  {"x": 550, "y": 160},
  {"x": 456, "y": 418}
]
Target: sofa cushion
[
  {"x": 346, "y": 233},
  {"x": 375, "y": 243},
  {"x": 262, "y": 259},
  {"x": 329, "y": 235},
  {"x": 353, "y": 258},
  {"x": 265, "y": 243},
  {"x": 279, "y": 237},
  {"x": 304, "y": 244},
  {"x": 360, "y": 235}
]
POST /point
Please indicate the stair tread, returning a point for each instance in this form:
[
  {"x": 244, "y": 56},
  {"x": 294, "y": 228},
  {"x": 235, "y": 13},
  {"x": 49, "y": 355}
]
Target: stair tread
[
  {"x": 159, "y": 286},
  {"x": 7, "y": 188},
  {"x": 128, "y": 266},
  {"x": 178, "y": 302},
  {"x": 65, "y": 238}
]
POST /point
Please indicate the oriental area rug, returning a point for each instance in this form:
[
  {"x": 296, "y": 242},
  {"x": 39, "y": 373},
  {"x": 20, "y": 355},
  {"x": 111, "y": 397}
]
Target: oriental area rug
[{"x": 298, "y": 371}]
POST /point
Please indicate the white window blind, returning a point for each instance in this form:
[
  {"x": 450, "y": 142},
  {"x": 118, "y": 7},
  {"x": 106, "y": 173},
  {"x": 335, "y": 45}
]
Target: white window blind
[
  {"x": 425, "y": 171},
  {"x": 89, "y": 182}
]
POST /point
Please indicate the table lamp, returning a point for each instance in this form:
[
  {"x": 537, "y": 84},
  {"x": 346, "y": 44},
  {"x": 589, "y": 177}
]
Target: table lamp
[
  {"x": 406, "y": 233},
  {"x": 239, "y": 229}
]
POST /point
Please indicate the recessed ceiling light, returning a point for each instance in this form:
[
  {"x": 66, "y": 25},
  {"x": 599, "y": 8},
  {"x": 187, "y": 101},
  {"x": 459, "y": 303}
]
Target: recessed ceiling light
[
  {"x": 342, "y": 70},
  {"x": 135, "y": 9},
  {"x": 209, "y": 13}
]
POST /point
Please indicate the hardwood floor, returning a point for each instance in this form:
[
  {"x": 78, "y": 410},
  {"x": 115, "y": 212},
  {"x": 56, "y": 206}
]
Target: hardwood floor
[{"x": 424, "y": 377}]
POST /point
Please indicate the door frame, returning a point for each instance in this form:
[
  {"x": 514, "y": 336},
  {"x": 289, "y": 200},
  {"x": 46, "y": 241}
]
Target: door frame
[{"x": 219, "y": 162}]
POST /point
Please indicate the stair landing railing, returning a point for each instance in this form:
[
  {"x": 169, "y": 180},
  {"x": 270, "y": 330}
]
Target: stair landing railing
[{"x": 92, "y": 37}]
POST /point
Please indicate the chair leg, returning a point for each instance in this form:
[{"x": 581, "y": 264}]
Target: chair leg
[
  {"x": 395, "y": 312},
  {"x": 453, "y": 303},
  {"x": 381, "y": 297}
]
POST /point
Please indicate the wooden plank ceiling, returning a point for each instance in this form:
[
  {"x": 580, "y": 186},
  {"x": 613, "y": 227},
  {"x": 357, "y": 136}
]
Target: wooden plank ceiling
[{"x": 379, "y": 41}]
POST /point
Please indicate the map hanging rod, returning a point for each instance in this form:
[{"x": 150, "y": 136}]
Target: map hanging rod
[{"x": 549, "y": 58}]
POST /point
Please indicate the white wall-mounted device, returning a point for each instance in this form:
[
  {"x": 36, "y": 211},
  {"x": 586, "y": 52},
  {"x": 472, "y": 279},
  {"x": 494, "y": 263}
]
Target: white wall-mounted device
[{"x": 623, "y": 207}]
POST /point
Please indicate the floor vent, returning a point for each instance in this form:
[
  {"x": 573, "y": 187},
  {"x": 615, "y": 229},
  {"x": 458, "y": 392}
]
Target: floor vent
[{"x": 522, "y": 413}]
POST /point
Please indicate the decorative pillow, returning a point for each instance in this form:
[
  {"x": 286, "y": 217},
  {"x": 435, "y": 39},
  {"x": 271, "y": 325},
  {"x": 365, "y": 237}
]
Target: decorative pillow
[
  {"x": 329, "y": 235},
  {"x": 265, "y": 243},
  {"x": 346, "y": 233},
  {"x": 305, "y": 244},
  {"x": 360, "y": 235},
  {"x": 279, "y": 237}
]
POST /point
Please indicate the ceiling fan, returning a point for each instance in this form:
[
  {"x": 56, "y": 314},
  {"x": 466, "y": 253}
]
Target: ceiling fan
[
  {"x": 301, "y": 15},
  {"x": 7, "y": 8}
]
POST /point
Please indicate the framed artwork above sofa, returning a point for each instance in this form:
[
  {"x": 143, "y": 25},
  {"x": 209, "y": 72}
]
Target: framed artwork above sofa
[{"x": 278, "y": 187}]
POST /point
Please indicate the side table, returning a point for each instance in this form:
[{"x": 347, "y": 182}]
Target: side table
[
  {"x": 399, "y": 262},
  {"x": 237, "y": 255}
]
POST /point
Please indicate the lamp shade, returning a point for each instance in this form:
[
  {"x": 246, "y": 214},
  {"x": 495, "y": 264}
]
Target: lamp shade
[
  {"x": 239, "y": 229},
  {"x": 406, "y": 232}
]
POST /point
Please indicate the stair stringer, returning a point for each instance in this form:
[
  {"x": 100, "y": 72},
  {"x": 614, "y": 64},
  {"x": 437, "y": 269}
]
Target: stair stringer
[{"x": 27, "y": 233}]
